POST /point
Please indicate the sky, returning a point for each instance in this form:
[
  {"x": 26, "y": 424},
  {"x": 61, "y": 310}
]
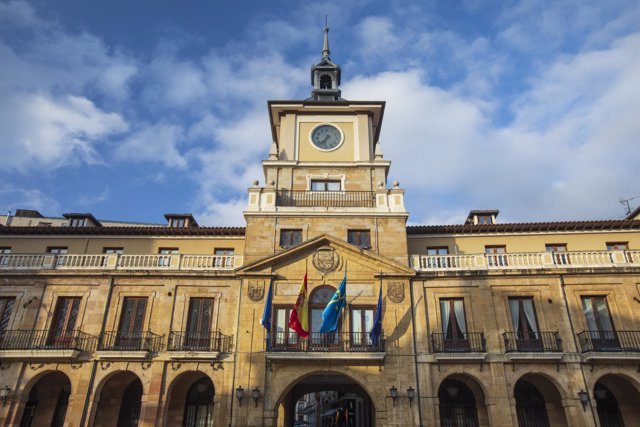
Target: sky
[{"x": 130, "y": 110}]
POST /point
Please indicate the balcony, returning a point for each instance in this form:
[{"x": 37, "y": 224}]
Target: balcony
[
  {"x": 609, "y": 341},
  {"x": 120, "y": 262},
  {"x": 136, "y": 345},
  {"x": 193, "y": 345},
  {"x": 332, "y": 346},
  {"x": 525, "y": 261},
  {"x": 42, "y": 344},
  {"x": 538, "y": 345},
  {"x": 332, "y": 199},
  {"x": 473, "y": 342}
]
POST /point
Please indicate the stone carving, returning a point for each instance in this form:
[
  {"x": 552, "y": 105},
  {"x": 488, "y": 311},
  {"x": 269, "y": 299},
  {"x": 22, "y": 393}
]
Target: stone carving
[
  {"x": 256, "y": 291},
  {"x": 396, "y": 292},
  {"x": 326, "y": 260}
]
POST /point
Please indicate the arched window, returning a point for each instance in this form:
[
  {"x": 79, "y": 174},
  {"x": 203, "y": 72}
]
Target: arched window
[
  {"x": 198, "y": 409},
  {"x": 325, "y": 82}
]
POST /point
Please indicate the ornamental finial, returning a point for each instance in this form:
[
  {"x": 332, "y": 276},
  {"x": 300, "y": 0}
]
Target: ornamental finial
[{"x": 325, "y": 46}]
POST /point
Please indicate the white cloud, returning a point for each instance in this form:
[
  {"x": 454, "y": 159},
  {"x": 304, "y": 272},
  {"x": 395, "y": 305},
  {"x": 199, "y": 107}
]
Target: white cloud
[
  {"x": 15, "y": 197},
  {"x": 39, "y": 130},
  {"x": 153, "y": 143}
]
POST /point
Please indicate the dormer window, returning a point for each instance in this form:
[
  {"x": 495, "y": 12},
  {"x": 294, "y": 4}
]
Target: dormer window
[
  {"x": 181, "y": 220},
  {"x": 79, "y": 220},
  {"x": 483, "y": 217}
]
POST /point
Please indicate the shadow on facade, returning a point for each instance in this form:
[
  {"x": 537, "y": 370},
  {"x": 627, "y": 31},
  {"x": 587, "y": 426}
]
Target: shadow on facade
[
  {"x": 119, "y": 401},
  {"x": 47, "y": 401},
  {"x": 190, "y": 401}
]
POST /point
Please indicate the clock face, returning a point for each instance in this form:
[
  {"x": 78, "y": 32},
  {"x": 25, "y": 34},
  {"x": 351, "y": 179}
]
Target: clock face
[{"x": 326, "y": 137}]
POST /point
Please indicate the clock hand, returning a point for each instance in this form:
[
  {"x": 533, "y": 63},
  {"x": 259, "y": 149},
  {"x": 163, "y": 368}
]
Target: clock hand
[{"x": 325, "y": 139}]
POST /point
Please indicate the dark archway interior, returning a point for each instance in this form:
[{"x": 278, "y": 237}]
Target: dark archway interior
[
  {"x": 530, "y": 405},
  {"x": 120, "y": 401},
  {"x": 617, "y": 401},
  {"x": 325, "y": 82},
  {"x": 457, "y": 405},
  {"x": 345, "y": 402},
  {"x": 190, "y": 401},
  {"x": 47, "y": 401}
]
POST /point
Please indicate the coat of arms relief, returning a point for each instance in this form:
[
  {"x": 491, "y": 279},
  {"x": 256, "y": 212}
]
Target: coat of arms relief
[{"x": 255, "y": 291}]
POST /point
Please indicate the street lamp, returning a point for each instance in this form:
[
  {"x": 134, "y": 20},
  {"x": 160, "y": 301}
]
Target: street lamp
[
  {"x": 240, "y": 394},
  {"x": 4, "y": 394},
  {"x": 584, "y": 399},
  {"x": 411, "y": 394},
  {"x": 255, "y": 393},
  {"x": 393, "y": 392}
]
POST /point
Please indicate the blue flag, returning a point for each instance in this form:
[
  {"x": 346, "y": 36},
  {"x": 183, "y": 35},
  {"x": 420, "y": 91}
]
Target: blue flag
[
  {"x": 376, "y": 331},
  {"x": 266, "y": 316},
  {"x": 331, "y": 313}
]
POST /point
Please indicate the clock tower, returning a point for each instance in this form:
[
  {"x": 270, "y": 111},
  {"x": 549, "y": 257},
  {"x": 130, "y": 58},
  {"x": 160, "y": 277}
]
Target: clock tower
[{"x": 326, "y": 175}]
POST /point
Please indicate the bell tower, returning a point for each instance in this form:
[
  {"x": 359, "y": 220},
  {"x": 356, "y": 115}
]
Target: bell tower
[
  {"x": 326, "y": 175},
  {"x": 325, "y": 75}
]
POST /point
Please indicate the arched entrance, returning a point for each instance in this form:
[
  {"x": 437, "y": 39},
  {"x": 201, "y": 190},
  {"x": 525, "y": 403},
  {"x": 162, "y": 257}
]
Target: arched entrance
[
  {"x": 462, "y": 403},
  {"x": 190, "y": 401},
  {"x": 617, "y": 401},
  {"x": 538, "y": 402},
  {"x": 120, "y": 401},
  {"x": 326, "y": 400},
  {"x": 47, "y": 401}
]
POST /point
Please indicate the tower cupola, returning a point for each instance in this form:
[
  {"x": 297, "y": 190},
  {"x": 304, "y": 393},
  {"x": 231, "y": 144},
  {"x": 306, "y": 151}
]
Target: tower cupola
[{"x": 325, "y": 75}]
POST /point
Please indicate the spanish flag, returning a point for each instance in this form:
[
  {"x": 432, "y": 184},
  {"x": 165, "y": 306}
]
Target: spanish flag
[{"x": 299, "y": 318}]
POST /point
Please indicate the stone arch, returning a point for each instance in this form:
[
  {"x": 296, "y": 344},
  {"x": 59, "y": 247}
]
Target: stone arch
[
  {"x": 450, "y": 390},
  {"x": 551, "y": 395},
  {"x": 44, "y": 399},
  {"x": 616, "y": 398},
  {"x": 111, "y": 392},
  {"x": 177, "y": 393},
  {"x": 289, "y": 394}
]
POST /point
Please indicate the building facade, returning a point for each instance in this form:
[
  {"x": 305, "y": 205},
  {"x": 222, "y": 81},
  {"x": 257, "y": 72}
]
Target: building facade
[{"x": 484, "y": 323}]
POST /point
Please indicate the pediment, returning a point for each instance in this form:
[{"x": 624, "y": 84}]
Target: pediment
[{"x": 326, "y": 256}]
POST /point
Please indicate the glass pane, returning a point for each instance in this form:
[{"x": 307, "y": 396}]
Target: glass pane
[
  {"x": 356, "y": 321},
  {"x": 588, "y": 314},
  {"x": 317, "y": 186},
  {"x": 281, "y": 324},
  {"x": 603, "y": 314},
  {"x": 333, "y": 186},
  {"x": 368, "y": 320}
]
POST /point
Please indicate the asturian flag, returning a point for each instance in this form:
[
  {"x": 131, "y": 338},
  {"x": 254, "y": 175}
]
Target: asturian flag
[
  {"x": 376, "y": 331},
  {"x": 331, "y": 313},
  {"x": 266, "y": 315},
  {"x": 299, "y": 318}
]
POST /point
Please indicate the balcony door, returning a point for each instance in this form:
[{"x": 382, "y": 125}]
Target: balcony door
[
  {"x": 525, "y": 324},
  {"x": 361, "y": 325},
  {"x": 601, "y": 331},
  {"x": 131, "y": 323},
  {"x": 454, "y": 325},
  {"x": 198, "y": 334},
  {"x": 318, "y": 301},
  {"x": 64, "y": 322},
  {"x": 282, "y": 337}
]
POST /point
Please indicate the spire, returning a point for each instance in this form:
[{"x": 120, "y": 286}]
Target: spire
[{"x": 325, "y": 46}]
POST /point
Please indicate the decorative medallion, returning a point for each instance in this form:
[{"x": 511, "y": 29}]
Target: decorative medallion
[
  {"x": 326, "y": 260},
  {"x": 396, "y": 292},
  {"x": 256, "y": 291}
]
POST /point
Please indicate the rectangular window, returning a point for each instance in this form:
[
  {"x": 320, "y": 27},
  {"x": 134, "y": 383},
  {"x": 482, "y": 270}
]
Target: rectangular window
[
  {"x": 131, "y": 323},
  {"x": 438, "y": 250},
  {"x": 617, "y": 246},
  {"x": 560, "y": 257},
  {"x": 224, "y": 257},
  {"x": 6, "y": 307},
  {"x": 437, "y": 261},
  {"x": 360, "y": 238},
  {"x": 4, "y": 259},
  {"x": 454, "y": 325},
  {"x": 165, "y": 261},
  {"x": 495, "y": 255},
  {"x": 58, "y": 250},
  {"x": 198, "y": 334},
  {"x": 525, "y": 324},
  {"x": 484, "y": 219},
  {"x": 281, "y": 335},
  {"x": 77, "y": 222},
  {"x": 109, "y": 251},
  {"x": 290, "y": 238},
  {"x": 361, "y": 325},
  {"x": 325, "y": 185},
  {"x": 599, "y": 324},
  {"x": 64, "y": 322},
  {"x": 177, "y": 222}
]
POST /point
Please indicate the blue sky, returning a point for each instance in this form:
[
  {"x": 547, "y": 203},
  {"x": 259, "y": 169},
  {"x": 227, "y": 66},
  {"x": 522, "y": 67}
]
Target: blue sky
[{"x": 130, "y": 110}]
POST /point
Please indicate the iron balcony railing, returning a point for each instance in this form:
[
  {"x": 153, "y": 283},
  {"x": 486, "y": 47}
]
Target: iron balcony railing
[
  {"x": 196, "y": 341},
  {"x": 46, "y": 340},
  {"x": 532, "y": 342},
  {"x": 609, "y": 341},
  {"x": 466, "y": 343},
  {"x": 324, "y": 343},
  {"x": 333, "y": 199},
  {"x": 133, "y": 341}
]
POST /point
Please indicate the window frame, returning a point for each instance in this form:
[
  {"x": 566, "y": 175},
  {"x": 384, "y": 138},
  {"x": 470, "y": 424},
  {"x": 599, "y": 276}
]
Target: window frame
[
  {"x": 64, "y": 339},
  {"x": 496, "y": 258},
  {"x": 484, "y": 219},
  {"x": 6, "y": 314},
  {"x": 437, "y": 249},
  {"x": 57, "y": 250},
  {"x": 452, "y": 317},
  {"x": 112, "y": 250},
  {"x": 325, "y": 183},
  {"x": 359, "y": 233},
  {"x": 77, "y": 222},
  {"x": 527, "y": 332},
  {"x": 613, "y": 246},
  {"x": 364, "y": 340},
  {"x": 290, "y": 241}
]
